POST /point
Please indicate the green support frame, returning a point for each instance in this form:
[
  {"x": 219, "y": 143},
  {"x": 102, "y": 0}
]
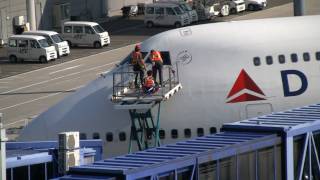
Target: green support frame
[{"x": 144, "y": 129}]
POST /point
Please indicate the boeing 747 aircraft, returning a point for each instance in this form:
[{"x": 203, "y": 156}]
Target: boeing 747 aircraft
[{"x": 229, "y": 71}]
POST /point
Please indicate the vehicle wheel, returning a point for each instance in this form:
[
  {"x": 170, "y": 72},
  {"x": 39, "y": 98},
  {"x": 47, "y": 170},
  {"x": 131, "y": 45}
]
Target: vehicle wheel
[
  {"x": 225, "y": 10},
  {"x": 97, "y": 45},
  {"x": 149, "y": 24},
  {"x": 233, "y": 11},
  {"x": 43, "y": 59},
  {"x": 69, "y": 43},
  {"x": 58, "y": 55},
  {"x": 177, "y": 25},
  {"x": 251, "y": 7},
  {"x": 13, "y": 59}
]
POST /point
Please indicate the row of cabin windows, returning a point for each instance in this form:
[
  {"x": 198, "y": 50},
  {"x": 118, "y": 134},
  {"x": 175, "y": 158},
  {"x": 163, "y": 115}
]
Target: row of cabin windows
[
  {"x": 282, "y": 59},
  {"x": 162, "y": 134}
]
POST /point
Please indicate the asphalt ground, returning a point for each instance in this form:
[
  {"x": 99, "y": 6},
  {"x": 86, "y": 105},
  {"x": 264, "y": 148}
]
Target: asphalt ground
[{"x": 122, "y": 32}]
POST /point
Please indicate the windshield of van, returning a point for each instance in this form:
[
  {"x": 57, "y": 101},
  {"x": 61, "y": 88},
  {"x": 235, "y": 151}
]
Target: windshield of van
[
  {"x": 56, "y": 38},
  {"x": 187, "y": 7},
  {"x": 178, "y": 10},
  {"x": 49, "y": 40},
  {"x": 98, "y": 29},
  {"x": 43, "y": 43}
]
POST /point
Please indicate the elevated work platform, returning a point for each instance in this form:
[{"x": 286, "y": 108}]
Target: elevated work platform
[
  {"x": 278, "y": 146},
  {"x": 139, "y": 103},
  {"x": 127, "y": 96}
]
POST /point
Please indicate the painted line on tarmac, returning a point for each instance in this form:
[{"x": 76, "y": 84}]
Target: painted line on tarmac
[
  {"x": 102, "y": 73},
  {"x": 40, "y": 98},
  {"x": 17, "y": 76},
  {"x": 65, "y": 69},
  {"x": 60, "y": 77},
  {"x": 129, "y": 28}
]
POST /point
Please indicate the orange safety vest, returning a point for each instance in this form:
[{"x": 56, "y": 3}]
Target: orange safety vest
[
  {"x": 149, "y": 82},
  {"x": 136, "y": 56},
  {"x": 156, "y": 56}
]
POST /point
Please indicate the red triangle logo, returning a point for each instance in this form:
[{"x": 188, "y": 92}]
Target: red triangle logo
[
  {"x": 244, "y": 82},
  {"x": 245, "y": 97}
]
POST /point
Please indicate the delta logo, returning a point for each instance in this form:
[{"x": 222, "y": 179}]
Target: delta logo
[{"x": 245, "y": 89}]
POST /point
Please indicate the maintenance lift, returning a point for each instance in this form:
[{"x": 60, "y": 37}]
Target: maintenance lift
[{"x": 141, "y": 106}]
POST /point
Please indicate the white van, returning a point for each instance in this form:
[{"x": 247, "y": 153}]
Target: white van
[
  {"x": 193, "y": 16},
  {"x": 237, "y": 6},
  {"x": 252, "y": 5},
  {"x": 165, "y": 14},
  {"x": 30, "y": 47},
  {"x": 53, "y": 39},
  {"x": 85, "y": 33}
]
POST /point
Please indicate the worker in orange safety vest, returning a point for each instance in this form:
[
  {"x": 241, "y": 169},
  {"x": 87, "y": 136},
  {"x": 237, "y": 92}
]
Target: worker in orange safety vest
[
  {"x": 157, "y": 64},
  {"x": 149, "y": 84},
  {"x": 138, "y": 65}
]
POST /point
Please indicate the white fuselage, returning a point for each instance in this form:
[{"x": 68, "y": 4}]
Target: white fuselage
[{"x": 212, "y": 57}]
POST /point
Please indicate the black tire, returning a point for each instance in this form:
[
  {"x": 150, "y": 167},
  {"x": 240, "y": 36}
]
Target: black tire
[
  {"x": 233, "y": 11},
  {"x": 177, "y": 25},
  {"x": 149, "y": 24},
  {"x": 97, "y": 45},
  {"x": 69, "y": 43},
  {"x": 58, "y": 55},
  {"x": 13, "y": 58},
  {"x": 43, "y": 59},
  {"x": 251, "y": 7}
]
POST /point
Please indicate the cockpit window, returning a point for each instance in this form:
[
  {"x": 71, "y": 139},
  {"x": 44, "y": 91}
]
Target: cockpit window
[{"x": 166, "y": 57}]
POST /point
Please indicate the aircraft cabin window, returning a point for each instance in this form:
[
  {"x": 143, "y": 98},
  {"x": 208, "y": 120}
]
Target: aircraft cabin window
[
  {"x": 162, "y": 134},
  {"x": 187, "y": 133},
  {"x": 83, "y": 136},
  {"x": 294, "y": 58},
  {"x": 318, "y": 56},
  {"x": 306, "y": 56},
  {"x": 200, "y": 132},
  {"x": 174, "y": 133},
  {"x": 256, "y": 61},
  {"x": 269, "y": 60},
  {"x": 282, "y": 59},
  {"x": 95, "y": 135},
  {"x": 109, "y": 136},
  {"x": 213, "y": 130},
  {"x": 122, "y": 136}
]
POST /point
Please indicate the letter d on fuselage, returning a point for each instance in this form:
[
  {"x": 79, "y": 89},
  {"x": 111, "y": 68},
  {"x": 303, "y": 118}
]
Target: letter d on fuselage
[{"x": 285, "y": 82}]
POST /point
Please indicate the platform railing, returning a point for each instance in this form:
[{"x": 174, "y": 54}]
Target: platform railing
[{"x": 123, "y": 82}]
